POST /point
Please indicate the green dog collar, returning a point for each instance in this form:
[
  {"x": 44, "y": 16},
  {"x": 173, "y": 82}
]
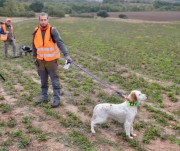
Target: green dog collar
[{"x": 133, "y": 103}]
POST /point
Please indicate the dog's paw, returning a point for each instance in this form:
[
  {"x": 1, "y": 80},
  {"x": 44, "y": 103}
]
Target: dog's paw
[
  {"x": 93, "y": 131},
  {"x": 130, "y": 136},
  {"x": 134, "y": 135}
]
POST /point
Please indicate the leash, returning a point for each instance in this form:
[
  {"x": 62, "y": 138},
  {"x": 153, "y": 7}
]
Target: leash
[
  {"x": 99, "y": 80},
  {"x": 2, "y": 77}
]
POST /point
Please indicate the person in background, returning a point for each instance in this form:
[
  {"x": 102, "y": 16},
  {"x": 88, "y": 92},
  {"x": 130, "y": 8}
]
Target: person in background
[
  {"x": 7, "y": 36},
  {"x": 46, "y": 45}
]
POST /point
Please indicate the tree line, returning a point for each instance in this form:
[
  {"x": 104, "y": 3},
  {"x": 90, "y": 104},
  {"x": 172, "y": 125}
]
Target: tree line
[{"x": 28, "y": 8}]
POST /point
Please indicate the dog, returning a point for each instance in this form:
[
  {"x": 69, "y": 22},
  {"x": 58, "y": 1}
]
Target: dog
[
  {"x": 24, "y": 49},
  {"x": 123, "y": 113}
]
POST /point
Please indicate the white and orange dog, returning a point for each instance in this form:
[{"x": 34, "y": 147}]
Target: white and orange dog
[{"x": 124, "y": 112}]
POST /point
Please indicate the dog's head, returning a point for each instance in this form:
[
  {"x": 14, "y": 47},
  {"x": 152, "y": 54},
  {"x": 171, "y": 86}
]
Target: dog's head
[{"x": 136, "y": 96}]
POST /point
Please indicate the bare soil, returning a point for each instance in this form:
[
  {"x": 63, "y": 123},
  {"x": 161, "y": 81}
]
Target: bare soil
[{"x": 149, "y": 16}]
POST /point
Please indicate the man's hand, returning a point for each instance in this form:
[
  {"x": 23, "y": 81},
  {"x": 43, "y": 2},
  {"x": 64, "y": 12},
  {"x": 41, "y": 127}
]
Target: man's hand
[
  {"x": 36, "y": 62},
  {"x": 68, "y": 58}
]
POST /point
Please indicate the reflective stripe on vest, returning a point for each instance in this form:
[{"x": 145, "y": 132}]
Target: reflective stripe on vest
[
  {"x": 47, "y": 55},
  {"x": 46, "y": 50}
]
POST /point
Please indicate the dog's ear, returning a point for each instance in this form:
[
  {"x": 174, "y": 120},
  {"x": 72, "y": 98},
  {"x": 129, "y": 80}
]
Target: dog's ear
[{"x": 134, "y": 97}]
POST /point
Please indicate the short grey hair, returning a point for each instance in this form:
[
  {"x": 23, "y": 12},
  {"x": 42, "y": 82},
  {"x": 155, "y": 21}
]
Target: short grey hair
[{"x": 43, "y": 14}]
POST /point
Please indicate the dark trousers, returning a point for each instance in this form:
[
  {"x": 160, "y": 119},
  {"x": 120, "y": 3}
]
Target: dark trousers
[
  {"x": 6, "y": 45},
  {"x": 45, "y": 69}
]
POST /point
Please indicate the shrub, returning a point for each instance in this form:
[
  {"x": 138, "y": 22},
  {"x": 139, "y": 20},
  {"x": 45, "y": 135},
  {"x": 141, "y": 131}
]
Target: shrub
[
  {"x": 102, "y": 13},
  {"x": 123, "y": 16}
]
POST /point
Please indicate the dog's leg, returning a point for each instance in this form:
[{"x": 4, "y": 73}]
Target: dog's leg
[
  {"x": 97, "y": 120},
  {"x": 134, "y": 135},
  {"x": 127, "y": 127},
  {"x": 92, "y": 127}
]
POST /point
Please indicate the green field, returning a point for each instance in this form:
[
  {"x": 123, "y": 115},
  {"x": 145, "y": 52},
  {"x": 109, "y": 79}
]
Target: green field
[{"x": 128, "y": 56}]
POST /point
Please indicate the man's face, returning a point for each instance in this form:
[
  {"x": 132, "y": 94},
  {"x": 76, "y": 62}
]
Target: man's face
[
  {"x": 43, "y": 21},
  {"x": 8, "y": 22}
]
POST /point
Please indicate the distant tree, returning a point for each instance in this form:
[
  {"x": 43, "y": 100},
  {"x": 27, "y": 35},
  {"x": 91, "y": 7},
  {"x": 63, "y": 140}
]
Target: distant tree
[
  {"x": 54, "y": 10},
  {"x": 10, "y": 8},
  {"x": 102, "y": 13},
  {"x": 2, "y": 2},
  {"x": 13, "y": 8},
  {"x": 36, "y": 6},
  {"x": 113, "y": 1}
]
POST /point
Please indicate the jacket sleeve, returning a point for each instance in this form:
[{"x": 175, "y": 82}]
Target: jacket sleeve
[
  {"x": 34, "y": 50},
  {"x": 57, "y": 38},
  {"x": 2, "y": 31}
]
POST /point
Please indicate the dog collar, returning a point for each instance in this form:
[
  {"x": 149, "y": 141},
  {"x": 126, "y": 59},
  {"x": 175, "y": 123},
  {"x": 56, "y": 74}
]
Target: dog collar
[{"x": 133, "y": 103}]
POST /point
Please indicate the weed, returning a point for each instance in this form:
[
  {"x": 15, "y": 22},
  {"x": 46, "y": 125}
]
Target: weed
[
  {"x": 27, "y": 121},
  {"x": 151, "y": 133},
  {"x": 8, "y": 142},
  {"x": 157, "y": 111},
  {"x": 16, "y": 133},
  {"x": 64, "y": 139},
  {"x": 174, "y": 139},
  {"x": 84, "y": 109},
  {"x": 73, "y": 121},
  {"x": 72, "y": 115},
  {"x": 2, "y": 98},
  {"x": 140, "y": 125},
  {"x": 34, "y": 130},
  {"x": 172, "y": 97},
  {"x": 105, "y": 141},
  {"x": 2, "y": 124},
  {"x": 5, "y": 108},
  {"x": 53, "y": 113},
  {"x": 176, "y": 127},
  {"x": 41, "y": 137},
  {"x": 4, "y": 149},
  {"x": 87, "y": 101},
  {"x": 133, "y": 143},
  {"x": 160, "y": 119},
  {"x": 82, "y": 141},
  {"x": 11, "y": 122},
  {"x": 24, "y": 142}
]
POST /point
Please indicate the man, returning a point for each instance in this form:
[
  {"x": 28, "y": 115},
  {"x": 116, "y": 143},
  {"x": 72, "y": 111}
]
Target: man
[
  {"x": 7, "y": 35},
  {"x": 46, "y": 45}
]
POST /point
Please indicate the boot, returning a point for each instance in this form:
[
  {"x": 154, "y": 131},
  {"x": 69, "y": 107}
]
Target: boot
[
  {"x": 55, "y": 104},
  {"x": 41, "y": 100}
]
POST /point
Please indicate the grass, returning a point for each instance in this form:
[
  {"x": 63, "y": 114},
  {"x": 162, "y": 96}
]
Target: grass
[
  {"x": 151, "y": 133},
  {"x": 79, "y": 139},
  {"x": 129, "y": 56},
  {"x": 4, "y": 108}
]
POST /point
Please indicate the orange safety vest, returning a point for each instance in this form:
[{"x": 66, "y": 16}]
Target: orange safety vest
[
  {"x": 4, "y": 37},
  {"x": 46, "y": 50}
]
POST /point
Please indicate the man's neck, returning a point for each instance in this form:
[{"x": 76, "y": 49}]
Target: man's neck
[{"x": 44, "y": 28}]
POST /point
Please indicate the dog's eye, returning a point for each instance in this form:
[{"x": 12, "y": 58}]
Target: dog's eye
[{"x": 139, "y": 94}]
